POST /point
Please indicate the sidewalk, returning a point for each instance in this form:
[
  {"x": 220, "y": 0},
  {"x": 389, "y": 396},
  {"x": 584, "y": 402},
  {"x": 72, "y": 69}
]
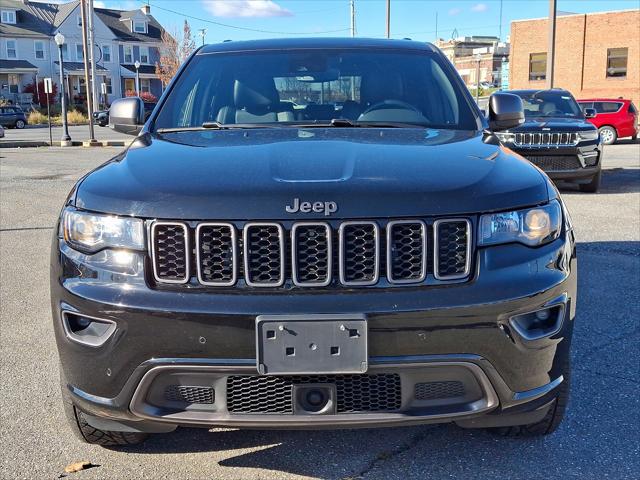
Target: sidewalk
[{"x": 39, "y": 136}]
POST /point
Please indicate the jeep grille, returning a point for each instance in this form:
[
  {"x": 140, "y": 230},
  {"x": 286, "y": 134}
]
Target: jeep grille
[
  {"x": 311, "y": 254},
  {"x": 546, "y": 139}
]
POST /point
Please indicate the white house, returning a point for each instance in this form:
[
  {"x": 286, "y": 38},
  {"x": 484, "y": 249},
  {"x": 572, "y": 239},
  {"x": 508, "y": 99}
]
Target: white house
[{"x": 28, "y": 49}]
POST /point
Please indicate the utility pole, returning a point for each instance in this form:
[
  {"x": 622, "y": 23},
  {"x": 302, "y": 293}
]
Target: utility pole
[
  {"x": 92, "y": 60},
  {"x": 436, "y": 27},
  {"x": 500, "y": 29},
  {"x": 203, "y": 33},
  {"x": 388, "y": 18},
  {"x": 551, "y": 50},
  {"x": 83, "y": 15},
  {"x": 352, "y": 6}
]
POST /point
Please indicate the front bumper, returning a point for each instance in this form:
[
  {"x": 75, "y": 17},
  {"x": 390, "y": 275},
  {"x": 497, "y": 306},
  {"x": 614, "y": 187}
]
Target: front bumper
[
  {"x": 572, "y": 164},
  {"x": 456, "y": 333}
]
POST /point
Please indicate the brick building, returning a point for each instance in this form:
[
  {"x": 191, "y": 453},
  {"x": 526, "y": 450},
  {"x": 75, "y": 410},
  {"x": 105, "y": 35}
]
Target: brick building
[{"x": 597, "y": 54}]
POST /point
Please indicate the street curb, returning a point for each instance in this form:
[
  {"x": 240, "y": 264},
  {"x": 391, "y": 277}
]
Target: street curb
[{"x": 36, "y": 144}]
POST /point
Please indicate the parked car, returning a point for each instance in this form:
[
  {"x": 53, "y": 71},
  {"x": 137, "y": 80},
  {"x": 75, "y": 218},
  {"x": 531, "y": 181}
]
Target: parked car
[
  {"x": 557, "y": 137},
  {"x": 12, "y": 117},
  {"x": 615, "y": 118},
  {"x": 1, "y": 131},
  {"x": 393, "y": 265},
  {"x": 101, "y": 117}
]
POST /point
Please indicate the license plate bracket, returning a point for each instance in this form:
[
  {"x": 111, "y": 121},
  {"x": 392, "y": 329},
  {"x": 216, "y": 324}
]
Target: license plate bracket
[{"x": 311, "y": 344}]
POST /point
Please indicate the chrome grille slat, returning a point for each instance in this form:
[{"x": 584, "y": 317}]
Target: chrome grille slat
[
  {"x": 359, "y": 253},
  {"x": 546, "y": 139},
  {"x": 406, "y": 251},
  {"x": 263, "y": 259},
  {"x": 225, "y": 253},
  {"x": 169, "y": 242},
  {"x": 216, "y": 254},
  {"x": 452, "y": 257},
  {"x": 311, "y": 255}
]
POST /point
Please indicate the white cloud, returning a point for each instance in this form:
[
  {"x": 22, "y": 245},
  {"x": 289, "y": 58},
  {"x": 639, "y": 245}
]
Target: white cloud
[
  {"x": 455, "y": 11},
  {"x": 480, "y": 7},
  {"x": 246, "y": 8},
  {"x": 99, "y": 4}
]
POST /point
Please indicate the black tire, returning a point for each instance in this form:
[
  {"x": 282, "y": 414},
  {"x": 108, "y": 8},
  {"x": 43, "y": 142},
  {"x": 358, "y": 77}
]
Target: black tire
[
  {"x": 86, "y": 433},
  {"x": 593, "y": 186},
  {"x": 19, "y": 124},
  {"x": 608, "y": 134},
  {"x": 551, "y": 420}
]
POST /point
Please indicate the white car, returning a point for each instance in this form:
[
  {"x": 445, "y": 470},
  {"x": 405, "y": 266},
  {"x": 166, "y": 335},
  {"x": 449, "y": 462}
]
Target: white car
[{"x": 1, "y": 131}]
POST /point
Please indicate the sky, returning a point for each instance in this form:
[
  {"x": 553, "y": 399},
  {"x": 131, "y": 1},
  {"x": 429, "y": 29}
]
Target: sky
[{"x": 415, "y": 19}]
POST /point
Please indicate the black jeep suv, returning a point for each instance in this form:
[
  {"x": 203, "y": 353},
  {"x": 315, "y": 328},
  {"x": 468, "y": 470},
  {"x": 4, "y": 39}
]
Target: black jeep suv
[
  {"x": 557, "y": 138},
  {"x": 314, "y": 233}
]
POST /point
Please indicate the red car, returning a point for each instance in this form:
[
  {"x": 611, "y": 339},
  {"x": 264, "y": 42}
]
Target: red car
[{"x": 615, "y": 118}]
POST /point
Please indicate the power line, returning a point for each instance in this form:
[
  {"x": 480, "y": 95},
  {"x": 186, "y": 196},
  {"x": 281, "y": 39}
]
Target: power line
[{"x": 236, "y": 27}]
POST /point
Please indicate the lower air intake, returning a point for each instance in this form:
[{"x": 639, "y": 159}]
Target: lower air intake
[{"x": 355, "y": 393}]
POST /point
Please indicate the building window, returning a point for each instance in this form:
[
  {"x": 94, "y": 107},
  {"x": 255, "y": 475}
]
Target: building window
[
  {"x": 106, "y": 53},
  {"x": 145, "y": 85},
  {"x": 79, "y": 21},
  {"x": 12, "y": 49},
  {"x": 79, "y": 52},
  {"x": 617, "y": 62},
  {"x": 38, "y": 46},
  {"x": 129, "y": 84},
  {"x": 14, "y": 83},
  {"x": 107, "y": 81},
  {"x": 537, "y": 66},
  {"x": 128, "y": 54},
  {"x": 140, "y": 27},
  {"x": 144, "y": 54},
  {"x": 9, "y": 16}
]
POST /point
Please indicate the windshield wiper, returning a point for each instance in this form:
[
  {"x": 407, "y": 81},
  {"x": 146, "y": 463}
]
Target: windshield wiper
[
  {"x": 346, "y": 123},
  {"x": 215, "y": 126}
]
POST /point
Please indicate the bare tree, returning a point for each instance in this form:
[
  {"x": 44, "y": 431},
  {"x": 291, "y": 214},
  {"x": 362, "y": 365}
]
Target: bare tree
[{"x": 174, "y": 50}]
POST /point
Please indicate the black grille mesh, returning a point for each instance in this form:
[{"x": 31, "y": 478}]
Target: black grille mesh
[
  {"x": 170, "y": 249},
  {"x": 438, "y": 390},
  {"x": 359, "y": 253},
  {"x": 551, "y": 163},
  {"x": 216, "y": 250},
  {"x": 187, "y": 394},
  {"x": 312, "y": 254},
  {"x": 355, "y": 393},
  {"x": 406, "y": 250},
  {"x": 452, "y": 248},
  {"x": 263, "y": 254}
]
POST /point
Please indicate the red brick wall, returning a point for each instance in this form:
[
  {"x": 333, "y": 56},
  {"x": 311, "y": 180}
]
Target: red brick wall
[{"x": 581, "y": 53}]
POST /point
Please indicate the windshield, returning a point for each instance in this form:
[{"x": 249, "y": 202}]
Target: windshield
[
  {"x": 314, "y": 87},
  {"x": 545, "y": 103}
]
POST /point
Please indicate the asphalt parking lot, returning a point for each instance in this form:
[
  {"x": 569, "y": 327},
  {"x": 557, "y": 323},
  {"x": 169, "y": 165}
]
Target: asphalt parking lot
[{"x": 598, "y": 439}]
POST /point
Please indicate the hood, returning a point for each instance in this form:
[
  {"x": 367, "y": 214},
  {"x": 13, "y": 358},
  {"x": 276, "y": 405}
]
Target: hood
[
  {"x": 255, "y": 174},
  {"x": 554, "y": 124}
]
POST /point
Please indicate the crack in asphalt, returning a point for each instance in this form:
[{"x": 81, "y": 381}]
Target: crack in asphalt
[
  {"x": 608, "y": 375},
  {"x": 382, "y": 457},
  {"x": 24, "y": 229}
]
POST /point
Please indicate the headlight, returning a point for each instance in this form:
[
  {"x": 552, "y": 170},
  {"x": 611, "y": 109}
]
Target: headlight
[
  {"x": 90, "y": 232},
  {"x": 588, "y": 135},
  {"x": 533, "y": 226},
  {"x": 506, "y": 137}
]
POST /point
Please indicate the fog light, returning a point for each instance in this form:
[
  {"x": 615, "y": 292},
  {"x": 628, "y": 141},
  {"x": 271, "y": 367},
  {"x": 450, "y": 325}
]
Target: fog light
[
  {"x": 539, "y": 324},
  {"x": 85, "y": 330}
]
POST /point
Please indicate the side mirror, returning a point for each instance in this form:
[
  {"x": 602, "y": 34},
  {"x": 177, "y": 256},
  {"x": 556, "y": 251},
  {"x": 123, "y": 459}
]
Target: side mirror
[
  {"x": 590, "y": 112},
  {"x": 126, "y": 115},
  {"x": 505, "y": 111}
]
